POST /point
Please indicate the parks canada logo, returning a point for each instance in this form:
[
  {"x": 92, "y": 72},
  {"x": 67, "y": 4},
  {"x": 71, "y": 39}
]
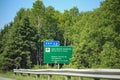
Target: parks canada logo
[{"x": 47, "y": 49}]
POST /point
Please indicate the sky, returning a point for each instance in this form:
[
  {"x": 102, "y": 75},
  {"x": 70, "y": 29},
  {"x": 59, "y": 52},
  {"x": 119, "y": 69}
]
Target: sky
[{"x": 9, "y": 8}]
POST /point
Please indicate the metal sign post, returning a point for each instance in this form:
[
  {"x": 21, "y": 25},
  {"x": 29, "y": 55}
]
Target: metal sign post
[{"x": 58, "y": 66}]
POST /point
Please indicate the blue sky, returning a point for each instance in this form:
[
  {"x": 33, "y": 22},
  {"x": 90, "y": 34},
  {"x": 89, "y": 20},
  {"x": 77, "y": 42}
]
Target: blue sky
[{"x": 9, "y": 8}]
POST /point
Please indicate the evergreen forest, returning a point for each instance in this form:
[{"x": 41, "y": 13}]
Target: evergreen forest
[{"x": 94, "y": 36}]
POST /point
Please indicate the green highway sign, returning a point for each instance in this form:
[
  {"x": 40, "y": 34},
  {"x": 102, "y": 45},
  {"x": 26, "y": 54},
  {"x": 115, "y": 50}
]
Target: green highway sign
[{"x": 57, "y": 54}]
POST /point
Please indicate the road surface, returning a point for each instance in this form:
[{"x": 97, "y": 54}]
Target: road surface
[{"x": 1, "y": 78}]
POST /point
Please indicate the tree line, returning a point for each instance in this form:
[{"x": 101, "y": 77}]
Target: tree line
[{"x": 94, "y": 36}]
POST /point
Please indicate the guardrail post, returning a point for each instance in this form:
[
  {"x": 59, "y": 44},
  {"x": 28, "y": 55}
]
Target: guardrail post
[
  {"x": 37, "y": 76},
  {"x": 68, "y": 77},
  {"x": 49, "y": 77}
]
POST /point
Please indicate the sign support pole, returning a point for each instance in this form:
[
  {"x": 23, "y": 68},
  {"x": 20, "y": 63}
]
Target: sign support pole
[
  {"x": 47, "y": 65},
  {"x": 58, "y": 66}
]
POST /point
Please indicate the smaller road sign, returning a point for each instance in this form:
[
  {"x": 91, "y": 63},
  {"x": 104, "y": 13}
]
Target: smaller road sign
[{"x": 51, "y": 43}]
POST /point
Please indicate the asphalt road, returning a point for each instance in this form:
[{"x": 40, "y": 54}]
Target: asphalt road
[{"x": 1, "y": 78}]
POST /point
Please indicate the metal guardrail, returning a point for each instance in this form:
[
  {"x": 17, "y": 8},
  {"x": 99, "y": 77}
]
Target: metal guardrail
[{"x": 96, "y": 74}]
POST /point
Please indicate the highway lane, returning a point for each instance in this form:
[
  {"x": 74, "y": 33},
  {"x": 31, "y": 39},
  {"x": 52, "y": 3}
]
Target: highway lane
[{"x": 2, "y": 78}]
